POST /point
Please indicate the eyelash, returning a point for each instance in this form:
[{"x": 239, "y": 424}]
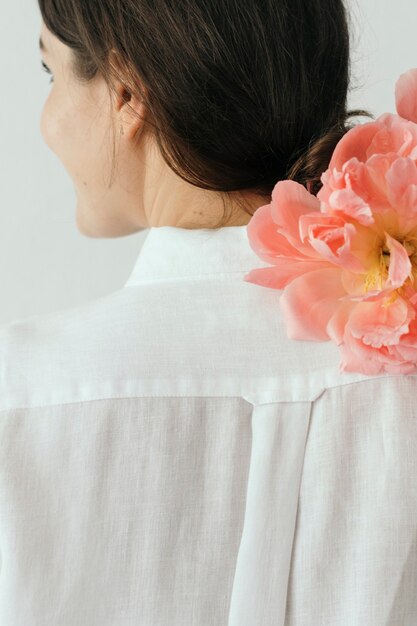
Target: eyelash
[{"x": 47, "y": 70}]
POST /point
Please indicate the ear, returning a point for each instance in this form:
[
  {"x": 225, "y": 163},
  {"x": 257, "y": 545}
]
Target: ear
[{"x": 129, "y": 109}]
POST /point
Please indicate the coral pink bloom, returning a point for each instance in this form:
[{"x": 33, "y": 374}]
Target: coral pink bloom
[{"x": 346, "y": 260}]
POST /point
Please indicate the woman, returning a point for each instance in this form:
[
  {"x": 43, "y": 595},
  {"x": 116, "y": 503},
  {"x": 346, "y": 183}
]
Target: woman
[{"x": 169, "y": 457}]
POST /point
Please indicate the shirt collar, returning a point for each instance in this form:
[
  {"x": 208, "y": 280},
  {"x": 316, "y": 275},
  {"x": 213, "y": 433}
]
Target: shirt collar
[{"x": 169, "y": 252}]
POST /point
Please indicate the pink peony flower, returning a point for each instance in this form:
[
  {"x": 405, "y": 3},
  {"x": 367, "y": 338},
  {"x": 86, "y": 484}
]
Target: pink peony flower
[{"x": 346, "y": 260}]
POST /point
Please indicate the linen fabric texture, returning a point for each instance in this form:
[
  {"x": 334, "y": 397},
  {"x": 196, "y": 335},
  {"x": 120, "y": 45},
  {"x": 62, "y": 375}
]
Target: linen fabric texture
[{"x": 169, "y": 457}]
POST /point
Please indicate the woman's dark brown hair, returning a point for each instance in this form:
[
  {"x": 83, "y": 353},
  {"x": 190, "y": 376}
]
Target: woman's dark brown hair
[{"x": 239, "y": 93}]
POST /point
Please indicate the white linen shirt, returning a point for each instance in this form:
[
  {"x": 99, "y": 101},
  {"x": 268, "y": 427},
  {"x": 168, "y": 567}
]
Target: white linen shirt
[{"x": 169, "y": 457}]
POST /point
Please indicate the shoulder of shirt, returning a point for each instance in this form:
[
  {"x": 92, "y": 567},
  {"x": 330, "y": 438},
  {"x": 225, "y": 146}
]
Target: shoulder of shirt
[
  {"x": 46, "y": 327},
  {"x": 37, "y": 343},
  {"x": 114, "y": 345}
]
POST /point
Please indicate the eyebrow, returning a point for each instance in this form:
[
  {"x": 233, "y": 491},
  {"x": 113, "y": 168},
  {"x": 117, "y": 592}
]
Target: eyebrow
[{"x": 42, "y": 45}]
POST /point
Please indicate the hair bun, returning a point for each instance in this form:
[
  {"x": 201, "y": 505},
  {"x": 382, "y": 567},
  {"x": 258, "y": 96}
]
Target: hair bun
[{"x": 309, "y": 167}]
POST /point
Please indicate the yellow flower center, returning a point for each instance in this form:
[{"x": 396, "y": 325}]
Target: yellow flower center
[{"x": 378, "y": 274}]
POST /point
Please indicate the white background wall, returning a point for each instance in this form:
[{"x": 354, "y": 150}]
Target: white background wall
[{"x": 45, "y": 262}]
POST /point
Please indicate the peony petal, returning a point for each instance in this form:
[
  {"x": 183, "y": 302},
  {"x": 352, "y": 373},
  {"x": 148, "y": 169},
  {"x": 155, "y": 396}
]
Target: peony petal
[
  {"x": 281, "y": 274},
  {"x": 317, "y": 219},
  {"x": 375, "y": 171},
  {"x": 351, "y": 362},
  {"x": 399, "y": 136},
  {"x": 346, "y": 202},
  {"x": 354, "y": 143},
  {"x": 332, "y": 238},
  {"x": 309, "y": 302},
  {"x": 383, "y": 142},
  {"x": 401, "y": 173},
  {"x": 264, "y": 238},
  {"x": 358, "y": 356},
  {"x": 334, "y": 179},
  {"x": 290, "y": 200},
  {"x": 401, "y": 181},
  {"x": 404, "y": 367},
  {"x": 407, "y": 346},
  {"x": 406, "y": 95},
  {"x": 336, "y": 325},
  {"x": 377, "y": 325},
  {"x": 399, "y": 263}
]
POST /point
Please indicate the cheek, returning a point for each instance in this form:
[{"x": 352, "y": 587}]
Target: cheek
[
  {"x": 69, "y": 131},
  {"x": 47, "y": 123},
  {"x": 75, "y": 126},
  {"x": 58, "y": 124}
]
